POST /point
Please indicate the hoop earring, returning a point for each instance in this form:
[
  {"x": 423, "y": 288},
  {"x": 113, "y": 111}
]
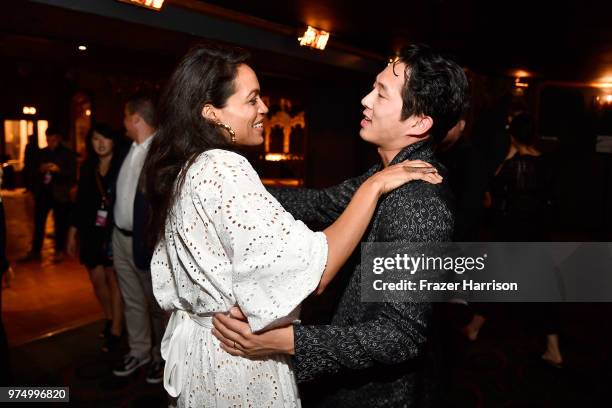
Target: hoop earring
[{"x": 229, "y": 130}]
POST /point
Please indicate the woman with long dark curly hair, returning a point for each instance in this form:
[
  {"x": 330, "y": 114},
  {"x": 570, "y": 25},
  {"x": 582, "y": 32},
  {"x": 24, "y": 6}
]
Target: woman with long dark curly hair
[{"x": 223, "y": 240}]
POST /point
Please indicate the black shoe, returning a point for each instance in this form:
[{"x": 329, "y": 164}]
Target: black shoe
[
  {"x": 155, "y": 372},
  {"x": 30, "y": 257},
  {"x": 129, "y": 365},
  {"x": 111, "y": 344}
]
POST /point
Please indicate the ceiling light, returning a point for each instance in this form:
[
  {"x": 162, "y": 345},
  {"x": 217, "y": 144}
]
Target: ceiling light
[
  {"x": 150, "y": 4},
  {"x": 521, "y": 73},
  {"x": 314, "y": 38}
]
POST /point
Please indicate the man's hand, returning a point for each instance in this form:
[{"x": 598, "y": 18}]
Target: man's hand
[{"x": 237, "y": 339}]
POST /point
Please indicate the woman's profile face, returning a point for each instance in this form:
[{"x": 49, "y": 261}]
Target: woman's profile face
[
  {"x": 244, "y": 110},
  {"x": 101, "y": 145}
]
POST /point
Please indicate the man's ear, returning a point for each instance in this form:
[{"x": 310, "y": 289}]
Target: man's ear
[
  {"x": 209, "y": 112},
  {"x": 424, "y": 124},
  {"x": 420, "y": 125}
]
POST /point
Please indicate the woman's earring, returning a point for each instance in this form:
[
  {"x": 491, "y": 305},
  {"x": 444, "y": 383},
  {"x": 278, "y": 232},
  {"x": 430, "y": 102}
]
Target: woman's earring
[{"x": 229, "y": 130}]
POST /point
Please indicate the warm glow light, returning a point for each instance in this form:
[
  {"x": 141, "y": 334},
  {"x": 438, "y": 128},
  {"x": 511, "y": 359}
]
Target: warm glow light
[
  {"x": 521, "y": 73},
  {"x": 151, "y": 4},
  {"x": 29, "y": 110},
  {"x": 602, "y": 85},
  {"x": 274, "y": 157},
  {"x": 42, "y": 126},
  {"x": 314, "y": 38},
  {"x": 604, "y": 99},
  {"x": 519, "y": 76},
  {"x": 82, "y": 48},
  {"x": 519, "y": 84},
  {"x": 322, "y": 39},
  {"x": 309, "y": 37},
  {"x": 281, "y": 182},
  {"x": 88, "y": 112}
]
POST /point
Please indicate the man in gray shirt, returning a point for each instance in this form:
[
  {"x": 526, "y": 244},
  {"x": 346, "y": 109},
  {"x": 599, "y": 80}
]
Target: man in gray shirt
[{"x": 143, "y": 317}]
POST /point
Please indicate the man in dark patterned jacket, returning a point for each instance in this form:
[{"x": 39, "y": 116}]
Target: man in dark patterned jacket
[{"x": 371, "y": 353}]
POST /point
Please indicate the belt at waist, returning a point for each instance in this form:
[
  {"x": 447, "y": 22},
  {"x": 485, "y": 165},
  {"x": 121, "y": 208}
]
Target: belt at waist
[
  {"x": 124, "y": 232},
  {"x": 204, "y": 321},
  {"x": 175, "y": 344}
]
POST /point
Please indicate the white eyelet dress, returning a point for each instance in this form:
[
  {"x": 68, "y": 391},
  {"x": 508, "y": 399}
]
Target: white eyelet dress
[{"x": 228, "y": 242}]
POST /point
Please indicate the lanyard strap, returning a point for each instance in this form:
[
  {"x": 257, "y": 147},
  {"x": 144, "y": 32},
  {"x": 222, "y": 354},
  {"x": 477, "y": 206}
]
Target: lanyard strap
[{"x": 101, "y": 189}]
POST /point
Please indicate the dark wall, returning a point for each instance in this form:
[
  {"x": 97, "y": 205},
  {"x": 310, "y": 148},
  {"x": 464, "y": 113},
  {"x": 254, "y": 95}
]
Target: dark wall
[
  {"x": 331, "y": 101},
  {"x": 335, "y": 150},
  {"x": 50, "y": 86},
  {"x": 27, "y": 84},
  {"x": 568, "y": 117}
]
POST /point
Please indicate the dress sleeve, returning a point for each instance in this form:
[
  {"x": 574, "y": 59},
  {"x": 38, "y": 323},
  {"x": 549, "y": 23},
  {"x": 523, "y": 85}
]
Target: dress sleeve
[{"x": 276, "y": 260}]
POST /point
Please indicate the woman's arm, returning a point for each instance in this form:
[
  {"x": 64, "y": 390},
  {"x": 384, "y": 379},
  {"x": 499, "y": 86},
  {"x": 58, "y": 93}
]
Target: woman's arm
[
  {"x": 346, "y": 232},
  {"x": 321, "y": 206},
  {"x": 276, "y": 260}
]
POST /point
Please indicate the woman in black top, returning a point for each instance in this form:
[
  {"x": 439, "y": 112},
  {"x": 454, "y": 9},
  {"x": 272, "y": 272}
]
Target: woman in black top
[
  {"x": 521, "y": 191},
  {"x": 521, "y": 205},
  {"x": 92, "y": 219}
]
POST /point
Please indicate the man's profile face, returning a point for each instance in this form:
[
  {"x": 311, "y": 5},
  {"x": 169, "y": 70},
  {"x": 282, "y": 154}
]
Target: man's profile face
[
  {"x": 129, "y": 122},
  {"x": 382, "y": 125}
]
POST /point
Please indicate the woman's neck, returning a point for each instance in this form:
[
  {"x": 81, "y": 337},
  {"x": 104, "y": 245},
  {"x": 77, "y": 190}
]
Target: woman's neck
[{"x": 104, "y": 164}]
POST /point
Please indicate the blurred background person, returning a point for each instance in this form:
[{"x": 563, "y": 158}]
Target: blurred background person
[
  {"x": 92, "y": 220},
  {"x": 521, "y": 190},
  {"x": 30, "y": 163},
  {"x": 521, "y": 194},
  {"x": 6, "y": 273},
  {"x": 55, "y": 177},
  {"x": 144, "y": 319},
  {"x": 490, "y": 131}
]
